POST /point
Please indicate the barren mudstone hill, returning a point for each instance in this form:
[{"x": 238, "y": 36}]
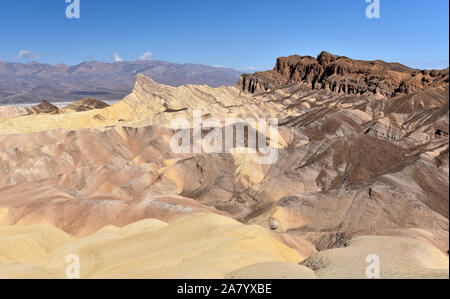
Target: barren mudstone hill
[{"x": 362, "y": 168}]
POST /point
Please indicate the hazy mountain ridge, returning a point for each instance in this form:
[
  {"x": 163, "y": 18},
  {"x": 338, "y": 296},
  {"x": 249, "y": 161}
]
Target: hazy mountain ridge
[{"x": 33, "y": 82}]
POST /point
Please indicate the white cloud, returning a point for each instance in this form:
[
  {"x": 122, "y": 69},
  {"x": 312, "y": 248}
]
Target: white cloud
[
  {"x": 116, "y": 57},
  {"x": 219, "y": 66},
  {"x": 146, "y": 56},
  {"x": 26, "y": 54},
  {"x": 252, "y": 69}
]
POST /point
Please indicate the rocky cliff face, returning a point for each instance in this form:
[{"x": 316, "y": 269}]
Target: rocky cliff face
[{"x": 344, "y": 75}]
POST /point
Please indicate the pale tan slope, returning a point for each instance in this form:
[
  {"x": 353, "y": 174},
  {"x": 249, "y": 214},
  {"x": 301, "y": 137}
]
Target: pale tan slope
[
  {"x": 25, "y": 271},
  {"x": 399, "y": 258},
  {"x": 10, "y": 112},
  {"x": 151, "y": 103},
  {"x": 197, "y": 246},
  {"x": 273, "y": 270},
  {"x": 81, "y": 217},
  {"x": 30, "y": 245}
]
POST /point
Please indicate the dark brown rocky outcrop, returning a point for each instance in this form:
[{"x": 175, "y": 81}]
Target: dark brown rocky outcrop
[
  {"x": 87, "y": 104},
  {"x": 344, "y": 75},
  {"x": 44, "y": 107}
]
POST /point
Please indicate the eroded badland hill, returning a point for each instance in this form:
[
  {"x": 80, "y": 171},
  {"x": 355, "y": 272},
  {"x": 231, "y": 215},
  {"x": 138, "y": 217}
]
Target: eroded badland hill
[{"x": 362, "y": 168}]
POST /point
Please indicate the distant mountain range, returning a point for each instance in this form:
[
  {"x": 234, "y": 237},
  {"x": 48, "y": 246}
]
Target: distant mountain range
[{"x": 34, "y": 82}]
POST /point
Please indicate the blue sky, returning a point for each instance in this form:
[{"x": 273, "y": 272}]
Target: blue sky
[{"x": 241, "y": 34}]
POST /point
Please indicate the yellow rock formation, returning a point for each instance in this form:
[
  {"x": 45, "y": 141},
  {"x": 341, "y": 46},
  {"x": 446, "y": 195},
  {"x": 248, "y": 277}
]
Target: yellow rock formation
[
  {"x": 196, "y": 246},
  {"x": 152, "y": 103}
]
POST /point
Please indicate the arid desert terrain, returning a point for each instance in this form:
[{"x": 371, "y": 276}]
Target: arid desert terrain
[{"x": 361, "y": 169}]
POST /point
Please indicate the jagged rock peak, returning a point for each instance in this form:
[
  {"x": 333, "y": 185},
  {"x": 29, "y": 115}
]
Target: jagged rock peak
[
  {"x": 87, "y": 104},
  {"x": 44, "y": 107},
  {"x": 344, "y": 75}
]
